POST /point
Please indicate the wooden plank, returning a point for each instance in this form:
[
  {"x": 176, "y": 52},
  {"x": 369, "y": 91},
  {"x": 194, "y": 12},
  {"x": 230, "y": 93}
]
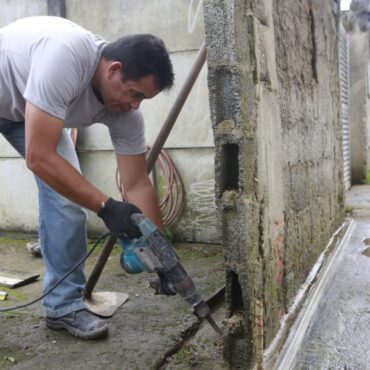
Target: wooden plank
[{"x": 14, "y": 280}]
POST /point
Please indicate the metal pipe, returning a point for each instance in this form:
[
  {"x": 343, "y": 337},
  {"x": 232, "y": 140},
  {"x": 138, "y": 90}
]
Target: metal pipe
[
  {"x": 152, "y": 157},
  {"x": 98, "y": 268}
]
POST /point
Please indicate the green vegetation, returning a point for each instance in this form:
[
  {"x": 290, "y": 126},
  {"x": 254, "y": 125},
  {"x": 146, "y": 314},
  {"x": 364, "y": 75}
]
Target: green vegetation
[
  {"x": 10, "y": 241},
  {"x": 349, "y": 210},
  {"x": 17, "y": 294},
  {"x": 195, "y": 251},
  {"x": 187, "y": 355}
]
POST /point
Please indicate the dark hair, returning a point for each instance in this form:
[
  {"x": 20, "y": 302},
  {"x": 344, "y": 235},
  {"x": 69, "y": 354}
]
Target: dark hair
[{"x": 142, "y": 55}]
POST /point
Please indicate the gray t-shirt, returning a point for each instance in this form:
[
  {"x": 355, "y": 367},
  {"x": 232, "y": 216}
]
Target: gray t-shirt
[{"x": 50, "y": 61}]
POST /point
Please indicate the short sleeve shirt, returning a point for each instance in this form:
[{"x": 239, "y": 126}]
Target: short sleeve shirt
[{"x": 50, "y": 62}]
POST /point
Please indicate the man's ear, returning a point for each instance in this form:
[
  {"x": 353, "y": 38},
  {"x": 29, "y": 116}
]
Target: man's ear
[{"x": 114, "y": 67}]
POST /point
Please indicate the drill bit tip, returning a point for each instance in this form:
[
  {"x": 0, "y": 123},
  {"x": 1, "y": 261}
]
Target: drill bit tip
[{"x": 214, "y": 325}]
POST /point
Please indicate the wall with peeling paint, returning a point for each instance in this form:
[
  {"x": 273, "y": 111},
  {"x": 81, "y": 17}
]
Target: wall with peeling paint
[
  {"x": 274, "y": 96},
  {"x": 191, "y": 146}
]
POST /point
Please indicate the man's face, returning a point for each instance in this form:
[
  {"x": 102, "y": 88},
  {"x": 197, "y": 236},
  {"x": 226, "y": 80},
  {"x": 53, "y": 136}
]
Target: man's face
[{"x": 123, "y": 95}]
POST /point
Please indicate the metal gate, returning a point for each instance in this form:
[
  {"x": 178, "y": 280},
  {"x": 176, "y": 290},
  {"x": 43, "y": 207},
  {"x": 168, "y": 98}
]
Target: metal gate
[{"x": 344, "y": 88}]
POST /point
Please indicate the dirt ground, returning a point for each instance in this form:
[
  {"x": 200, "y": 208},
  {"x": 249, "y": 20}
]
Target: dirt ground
[{"x": 147, "y": 332}]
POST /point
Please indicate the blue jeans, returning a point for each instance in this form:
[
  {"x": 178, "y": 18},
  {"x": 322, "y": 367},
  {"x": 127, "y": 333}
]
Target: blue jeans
[{"x": 62, "y": 230}]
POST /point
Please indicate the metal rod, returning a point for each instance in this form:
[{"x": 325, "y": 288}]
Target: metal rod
[
  {"x": 98, "y": 268},
  {"x": 152, "y": 157},
  {"x": 215, "y": 327}
]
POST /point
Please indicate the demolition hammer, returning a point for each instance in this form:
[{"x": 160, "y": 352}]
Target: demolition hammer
[{"x": 153, "y": 252}]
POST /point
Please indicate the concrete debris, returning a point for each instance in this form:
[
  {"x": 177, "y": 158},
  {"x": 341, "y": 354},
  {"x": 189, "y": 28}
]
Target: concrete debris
[{"x": 34, "y": 248}]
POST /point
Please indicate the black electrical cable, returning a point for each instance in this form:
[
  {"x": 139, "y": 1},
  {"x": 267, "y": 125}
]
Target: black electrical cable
[{"x": 78, "y": 264}]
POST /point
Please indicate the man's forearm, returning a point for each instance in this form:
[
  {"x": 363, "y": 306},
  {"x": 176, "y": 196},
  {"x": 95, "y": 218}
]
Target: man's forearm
[
  {"x": 138, "y": 187},
  {"x": 144, "y": 197},
  {"x": 61, "y": 176}
]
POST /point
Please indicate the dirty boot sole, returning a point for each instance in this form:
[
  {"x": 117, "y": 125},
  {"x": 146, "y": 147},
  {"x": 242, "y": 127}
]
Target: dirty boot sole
[{"x": 97, "y": 333}]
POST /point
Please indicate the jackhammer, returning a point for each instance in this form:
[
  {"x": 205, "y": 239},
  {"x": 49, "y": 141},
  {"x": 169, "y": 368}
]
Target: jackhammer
[{"x": 153, "y": 252}]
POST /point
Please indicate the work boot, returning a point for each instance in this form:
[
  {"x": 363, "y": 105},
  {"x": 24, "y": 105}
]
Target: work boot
[{"x": 82, "y": 324}]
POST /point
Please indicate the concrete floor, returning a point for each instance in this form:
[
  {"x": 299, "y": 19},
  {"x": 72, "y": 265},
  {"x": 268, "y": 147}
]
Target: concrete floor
[
  {"x": 147, "y": 332},
  {"x": 357, "y": 201},
  {"x": 154, "y": 332},
  {"x": 337, "y": 335}
]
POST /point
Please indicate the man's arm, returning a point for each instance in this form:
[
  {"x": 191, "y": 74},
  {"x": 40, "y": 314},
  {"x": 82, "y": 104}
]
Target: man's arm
[
  {"x": 43, "y": 132},
  {"x": 138, "y": 187}
]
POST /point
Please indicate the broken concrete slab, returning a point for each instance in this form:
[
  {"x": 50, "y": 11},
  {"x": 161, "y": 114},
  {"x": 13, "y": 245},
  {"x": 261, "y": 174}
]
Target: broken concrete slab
[{"x": 13, "y": 279}]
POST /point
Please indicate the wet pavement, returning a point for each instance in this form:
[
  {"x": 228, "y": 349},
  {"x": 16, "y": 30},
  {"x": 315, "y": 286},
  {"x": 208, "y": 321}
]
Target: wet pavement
[
  {"x": 358, "y": 201},
  {"x": 147, "y": 332},
  {"x": 337, "y": 334}
]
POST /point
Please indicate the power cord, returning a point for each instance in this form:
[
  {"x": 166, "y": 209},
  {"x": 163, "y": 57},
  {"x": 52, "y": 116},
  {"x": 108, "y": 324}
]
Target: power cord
[
  {"x": 78, "y": 264},
  {"x": 172, "y": 200}
]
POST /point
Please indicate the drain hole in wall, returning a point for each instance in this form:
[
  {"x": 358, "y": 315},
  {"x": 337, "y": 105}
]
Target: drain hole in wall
[{"x": 236, "y": 298}]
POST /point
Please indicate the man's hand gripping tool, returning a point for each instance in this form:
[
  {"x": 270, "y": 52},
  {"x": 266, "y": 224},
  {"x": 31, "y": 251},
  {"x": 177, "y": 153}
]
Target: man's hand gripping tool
[{"x": 152, "y": 252}]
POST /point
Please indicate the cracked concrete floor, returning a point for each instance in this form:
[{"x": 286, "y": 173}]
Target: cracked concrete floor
[{"x": 147, "y": 332}]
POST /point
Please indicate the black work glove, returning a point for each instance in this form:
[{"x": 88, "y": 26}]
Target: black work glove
[{"x": 117, "y": 217}]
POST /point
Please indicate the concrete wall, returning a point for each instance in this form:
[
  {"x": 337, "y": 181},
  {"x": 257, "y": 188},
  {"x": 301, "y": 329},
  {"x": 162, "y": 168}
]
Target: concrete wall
[
  {"x": 191, "y": 142},
  {"x": 18, "y": 194},
  {"x": 359, "y": 95},
  {"x": 275, "y": 110}
]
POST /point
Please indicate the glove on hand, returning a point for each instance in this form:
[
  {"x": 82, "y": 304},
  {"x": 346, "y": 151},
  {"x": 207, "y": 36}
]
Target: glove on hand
[{"x": 117, "y": 217}]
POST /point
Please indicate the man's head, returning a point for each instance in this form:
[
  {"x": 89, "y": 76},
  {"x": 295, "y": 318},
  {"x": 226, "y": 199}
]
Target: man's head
[
  {"x": 133, "y": 68},
  {"x": 142, "y": 55}
]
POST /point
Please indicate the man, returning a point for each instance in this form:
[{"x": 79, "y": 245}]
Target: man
[{"x": 56, "y": 75}]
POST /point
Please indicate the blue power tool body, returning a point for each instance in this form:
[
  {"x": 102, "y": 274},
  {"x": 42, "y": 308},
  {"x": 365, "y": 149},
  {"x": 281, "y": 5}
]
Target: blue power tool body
[{"x": 153, "y": 252}]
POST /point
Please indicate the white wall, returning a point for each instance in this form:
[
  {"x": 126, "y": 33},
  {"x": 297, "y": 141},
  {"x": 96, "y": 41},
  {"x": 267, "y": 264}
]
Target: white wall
[{"x": 190, "y": 143}]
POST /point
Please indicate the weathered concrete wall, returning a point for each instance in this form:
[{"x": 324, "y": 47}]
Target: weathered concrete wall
[
  {"x": 12, "y": 10},
  {"x": 274, "y": 95},
  {"x": 180, "y": 24},
  {"x": 307, "y": 56},
  {"x": 17, "y": 185},
  {"x": 359, "y": 95}
]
